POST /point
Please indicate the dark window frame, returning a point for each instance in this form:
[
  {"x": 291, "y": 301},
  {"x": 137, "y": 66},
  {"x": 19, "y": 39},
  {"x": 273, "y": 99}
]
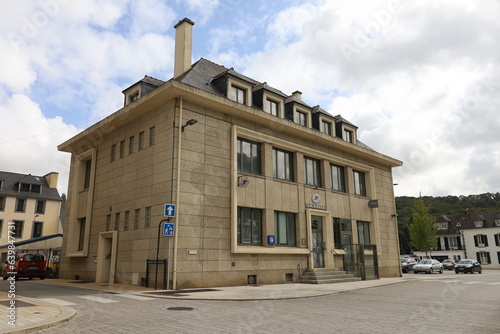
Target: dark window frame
[
  {"x": 312, "y": 172},
  {"x": 288, "y": 237},
  {"x": 253, "y": 233},
  {"x": 337, "y": 173},
  {"x": 252, "y": 164},
  {"x": 283, "y": 168},
  {"x": 359, "y": 182}
]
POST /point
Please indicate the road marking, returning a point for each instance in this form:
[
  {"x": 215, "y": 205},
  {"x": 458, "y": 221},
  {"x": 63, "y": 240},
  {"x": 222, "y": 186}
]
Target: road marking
[
  {"x": 496, "y": 283},
  {"x": 56, "y": 301},
  {"x": 98, "y": 299},
  {"x": 474, "y": 282},
  {"x": 135, "y": 297}
]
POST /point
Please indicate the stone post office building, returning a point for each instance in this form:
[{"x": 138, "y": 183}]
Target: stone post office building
[{"x": 265, "y": 185}]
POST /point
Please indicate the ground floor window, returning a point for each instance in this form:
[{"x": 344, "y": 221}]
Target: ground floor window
[
  {"x": 342, "y": 230},
  {"x": 483, "y": 257},
  {"x": 284, "y": 228},
  {"x": 363, "y": 233},
  {"x": 249, "y": 226},
  {"x": 81, "y": 236}
]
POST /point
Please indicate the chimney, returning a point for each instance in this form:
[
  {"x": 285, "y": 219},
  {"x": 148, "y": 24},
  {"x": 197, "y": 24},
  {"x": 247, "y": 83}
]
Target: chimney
[
  {"x": 183, "y": 46},
  {"x": 51, "y": 179},
  {"x": 297, "y": 95}
]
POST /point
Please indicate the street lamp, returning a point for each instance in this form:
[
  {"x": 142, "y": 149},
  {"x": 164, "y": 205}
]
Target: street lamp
[{"x": 192, "y": 121}]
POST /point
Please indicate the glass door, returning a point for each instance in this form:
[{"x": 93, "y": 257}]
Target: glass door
[{"x": 317, "y": 242}]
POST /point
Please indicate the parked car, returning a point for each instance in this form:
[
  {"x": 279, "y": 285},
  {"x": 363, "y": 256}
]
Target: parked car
[
  {"x": 468, "y": 265},
  {"x": 448, "y": 264},
  {"x": 407, "y": 264},
  {"x": 27, "y": 265},
  {"x": 428, "y": 266}
]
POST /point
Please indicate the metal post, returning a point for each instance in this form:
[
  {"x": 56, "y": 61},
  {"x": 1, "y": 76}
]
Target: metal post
[{"x": 158, "y": 248}]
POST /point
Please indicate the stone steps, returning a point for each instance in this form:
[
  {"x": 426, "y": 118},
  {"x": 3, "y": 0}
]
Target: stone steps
[{"x": 326, "y": 276}]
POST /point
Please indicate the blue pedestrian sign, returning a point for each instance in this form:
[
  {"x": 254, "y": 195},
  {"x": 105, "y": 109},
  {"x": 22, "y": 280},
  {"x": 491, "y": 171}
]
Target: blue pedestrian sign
[
  {"x": 169, "y": 210},
  {"x": 168, "y": 229}
]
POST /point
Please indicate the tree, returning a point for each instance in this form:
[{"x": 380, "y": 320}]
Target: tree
[{"x": 423, "y": 228}]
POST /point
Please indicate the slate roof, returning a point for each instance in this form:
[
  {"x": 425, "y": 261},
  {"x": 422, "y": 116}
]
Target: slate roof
[
  {"x": 265, "y": 86},
  {"x": 10, "y": 188},
  {"x": 465, "y": 221}
]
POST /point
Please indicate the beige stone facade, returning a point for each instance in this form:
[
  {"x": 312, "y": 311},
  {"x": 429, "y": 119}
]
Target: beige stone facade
[{"x": 126, "y": 167}]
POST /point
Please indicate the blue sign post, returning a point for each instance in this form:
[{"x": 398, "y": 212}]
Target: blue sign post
[
  {"x": 170, "y": 210},
  {"x": 168, "y": 229}
]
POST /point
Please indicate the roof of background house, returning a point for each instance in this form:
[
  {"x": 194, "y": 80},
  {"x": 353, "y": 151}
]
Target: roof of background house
[
  {"x": 465, "y": 221},
  {"x": 10, "y": 188}
]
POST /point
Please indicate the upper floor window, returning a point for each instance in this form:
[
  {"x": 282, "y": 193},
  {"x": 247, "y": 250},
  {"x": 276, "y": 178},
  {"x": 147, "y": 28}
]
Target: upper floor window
[
  {"x": 141, "y": 140},
  {"x": 117, "y": 221},
  {"x": 326, "y": 127},
  {"x": 18, "y": 228},
  {"x": 478, "y": 223},
  {"x": 272, "y": 107},
  {"x": 442, "y": 226},
  {"x": 147, "y": 217},
  {"x": 20, "y": 205},
  {"x": 113, "y": 152},
  {"x": 312, "y": 172},
  {"x": 284, "y": 228},
  {"x": 497, "y": 239},
  {"x": 137, "y": 216},
  {"x": 131, "y": 145},
  {"x": 301, "y": 118},
  {"x": 248, "y": 156},
  {"x": 134, "y": 97},
  {"x": 37, "y": 229},
  {"x": 40, "y": 207},
  {"x": 497, "y": 222},
  {"x": 86, "y": 179},
  {"x": 1, "y": 227},
  {"x": 481, "y": 240},
  {"x": 2, "y": 203},
  {"x": 238, "y": 94},
  {"x": 249, "y": 226},
  {"x": 152, "y": 136},
  {"x": 282, "y": 165},
  {"x": 359, "y": 183},
  {"x": 126, "y": 220},
  {"x": 32, "y": 188},
  {"x": 348, "y": 136},
  {"x": 338, "y": 178}
]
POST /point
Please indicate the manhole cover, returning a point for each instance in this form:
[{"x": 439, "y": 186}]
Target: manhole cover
[{"x": 178, "y": 308}]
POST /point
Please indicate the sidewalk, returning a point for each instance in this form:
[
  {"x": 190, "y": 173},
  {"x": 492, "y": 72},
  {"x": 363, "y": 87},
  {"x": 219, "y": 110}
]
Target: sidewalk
[{"x": 33, "y": 315}]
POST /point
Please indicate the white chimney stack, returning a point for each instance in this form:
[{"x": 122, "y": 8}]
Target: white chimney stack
[{"x": 183, "y": 46}]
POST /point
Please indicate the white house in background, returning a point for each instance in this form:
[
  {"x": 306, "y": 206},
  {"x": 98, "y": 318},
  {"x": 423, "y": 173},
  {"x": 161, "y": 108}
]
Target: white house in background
[{"x": 474, "y": 235}]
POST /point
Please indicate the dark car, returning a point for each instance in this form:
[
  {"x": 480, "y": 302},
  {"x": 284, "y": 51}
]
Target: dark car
[
  {"x": 407, "y": 264},
  {"x": 26, "y": 265},
  {"x": 468, "y": 266},
  {"x": 448, "y": 264}
]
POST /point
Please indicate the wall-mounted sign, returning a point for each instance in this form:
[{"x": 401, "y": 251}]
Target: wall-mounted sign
[
  {"x": 373, "y": 203},
  {"x": 315, "y": 198},
  {"x": 271, "y": 240},
  {"x": 315, "y": 206}
]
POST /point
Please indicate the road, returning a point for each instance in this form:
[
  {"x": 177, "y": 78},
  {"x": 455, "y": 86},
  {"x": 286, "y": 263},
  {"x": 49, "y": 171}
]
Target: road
[{"x": 446, "y": 303}]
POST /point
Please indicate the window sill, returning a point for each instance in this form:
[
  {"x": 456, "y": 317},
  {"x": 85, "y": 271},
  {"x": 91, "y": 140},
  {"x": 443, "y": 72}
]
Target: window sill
[{"x": 269, "y": 250}]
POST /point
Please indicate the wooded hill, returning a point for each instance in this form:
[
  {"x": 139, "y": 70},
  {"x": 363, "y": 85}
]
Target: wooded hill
[{"x": 441, "y": 206}]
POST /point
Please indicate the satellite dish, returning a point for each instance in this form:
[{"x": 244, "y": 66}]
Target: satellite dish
[{"x": 243, "y": 181}]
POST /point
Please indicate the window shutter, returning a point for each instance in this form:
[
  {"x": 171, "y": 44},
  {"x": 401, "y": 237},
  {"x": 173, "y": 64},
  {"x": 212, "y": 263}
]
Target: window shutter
[
  {"x": 446, "y": 244},
  {"x": 459, "y": 242},
  {"x": 475, "y": 241},
  {"x": 497, "y": 240},
  {"x": 478, "y": 257},
  {"x": 486, "y": 240},
  {"x": 489, "y": 258}
]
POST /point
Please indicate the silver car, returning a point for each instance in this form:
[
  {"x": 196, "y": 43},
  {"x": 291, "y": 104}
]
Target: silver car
[{"x": 428, "y": 266}]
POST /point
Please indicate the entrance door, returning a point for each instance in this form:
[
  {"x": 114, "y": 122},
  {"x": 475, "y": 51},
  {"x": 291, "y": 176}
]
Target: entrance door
[
  {"x": 106, "y": 257},
  {"x": 317, "y": 242}
]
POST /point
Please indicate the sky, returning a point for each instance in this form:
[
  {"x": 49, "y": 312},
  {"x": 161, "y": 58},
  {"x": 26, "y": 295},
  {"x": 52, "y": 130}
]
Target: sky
[{"x": 420, "y": 79}]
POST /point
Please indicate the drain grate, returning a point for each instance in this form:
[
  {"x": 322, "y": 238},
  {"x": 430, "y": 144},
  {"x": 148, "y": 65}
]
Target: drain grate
[{"x": 180, "y": 308}]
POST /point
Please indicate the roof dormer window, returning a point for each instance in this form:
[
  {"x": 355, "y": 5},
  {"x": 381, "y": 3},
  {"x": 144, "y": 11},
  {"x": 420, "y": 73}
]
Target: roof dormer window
[
  {"x": 326, "y": 127},
  {"x": 30, "y": 188},
  {"x": 272, "y": 107},
  {"x": 238, "y": 94},
  {"x": 347, "y": 135},
  {"x": 478, "y": 223},
  {"x": 301, "y": 118},
  {"x": 497, "y": 222},
  {"x": 134, "y": 97}
]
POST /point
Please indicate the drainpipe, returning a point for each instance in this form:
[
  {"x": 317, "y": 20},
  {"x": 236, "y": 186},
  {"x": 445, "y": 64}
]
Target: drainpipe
[{"x": 177, "y": 197}]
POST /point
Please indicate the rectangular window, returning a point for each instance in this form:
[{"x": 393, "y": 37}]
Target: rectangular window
[
  {"x": 272, "y": 107},
  {"x": 363, "y": 233},
  {"x": 284, "y": 228},
  {"x": 238, "y": 95},
  {"x": 147, "y": 217},
  {"x": 137, "y": 217},
  {"x": 81, "y": 236},
  {"x": 497, "y": 240},
  {"x": 1, "y": 227},
  {"x": 301, "y": 118},
  {"x": 108, "y": 223},
  {"x": 326, "y": 127},
  {"x": 282, "y": 165},
  {"x": 18, "y": 228},
  {"x": 20, "y": 205},
  {"x": 88, "y": 169},
  {"x": 131, "y": 145},
  {"x": 117, "y": 221},
  {"x": 24, "y": 187},
  {"x": 2, "y": 203},
  {"x": 347, "y": 136},
  {"x": 248, "y": 156},
  {"x": 141, "y": 141},
  {"x": 249, "y": 226},
  {"x": 152, "y": 131},
  {"x": 338, "y": 178},
  {"x": 37, "y": 229},
  {"x": 126, "y": 220},
  {"x": 122, "y": 149},
  {"x": 359, "y": 183},
  {"x": 312, "y": 172},
  {"x": 36, "y": 188},
  {"x": 134, "y": 97},
  {"x": 113, "y": 152},
  {"x": 481, "y": 240},
  {"x": 452, "y": 243},
  {"x": 483, "y": 257},
  {"x": 342, "y": 229},
  {"x": 40, "y": 207}
]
